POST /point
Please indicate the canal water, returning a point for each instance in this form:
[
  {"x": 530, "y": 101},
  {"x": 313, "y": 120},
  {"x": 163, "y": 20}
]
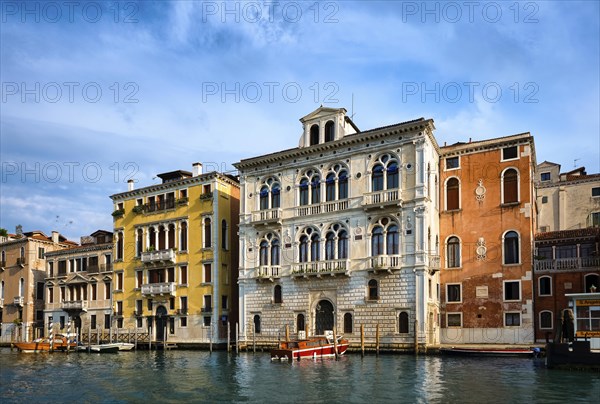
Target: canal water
[{"x": 180, "y": 376}]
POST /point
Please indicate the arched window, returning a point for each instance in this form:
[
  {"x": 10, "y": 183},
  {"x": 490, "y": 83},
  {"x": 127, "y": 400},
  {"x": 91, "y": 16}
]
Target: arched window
[
  {"x": 330, "y": 187},
  {"x": 392, "y": 240},
  {"x": 139, "y": 242},
  {"x": 171, "y": 236},
  {"x": 152, "y": 238},
  {"x": 277, "y": 295},
  {"x": 545, "y": 286},
  {"x": 385, "y": 238},
  {"x": 303, "y": 192},
  {"x": 510, "y": 186},
  {"x": 207, "y": 233},
  {"x": 310, "y": 188},
  {"x": 373, "y": 290},
  {"x": 300, "y": 322},
  {"x": 22, "y": 253},
  {"x": 330, "y": 246},
  {"x": 329, "y": 131},
  {"x": 348, "y": 323},
  {"x": 269, "y": 196},
  {"x": 336, "y": 242},
  {"x": 342, "y": 244},
  {"x": 315, "y": 247},
  {"x": 452, "y": 194},
  {"x": 314, "y": 135},
  {"x": 257, "y": 324},
  {"x": 453, "y": 252},
  {"x": 303, "y": 250},
  {"x": 224, "y": 234},
  {"x": 22, "y": 287},
  {"x": 343, "y": 185},
  {"x": 511, "y": 248},
  {"x": 315, "y": 190},
  {"x": 385, "y": 173},
  {"x": 2, "y": 290},
  {"x": 546, "y": 320},
  {"x": 120, "y": 245},
  {"x": 336, "y": 183},
  {"x": 592, "y": 282},
  {"x": 264, "y": 253},
  {"x": 275, "y": 252},
  {"x": 310, "y": 245},
  {"x": 403, "y": 322},
  {"x": 377, "y": 241},
  {"x": 183, "y": 243},
  {"x": 161, "y": 237}
]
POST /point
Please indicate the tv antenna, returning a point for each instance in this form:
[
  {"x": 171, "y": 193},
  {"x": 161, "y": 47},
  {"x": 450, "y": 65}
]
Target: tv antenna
[{"x": 575, "y": 162}]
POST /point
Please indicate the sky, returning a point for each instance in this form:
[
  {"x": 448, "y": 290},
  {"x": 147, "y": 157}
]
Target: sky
[{"x": 96, "y": 93}]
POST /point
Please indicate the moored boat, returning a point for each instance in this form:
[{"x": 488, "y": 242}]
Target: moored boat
[
  {"x": 107, "y": 348},
  {"x": 459, "y": 351},
  {"x": 58, "y": 343},
  {"x": 312, "y": 347}
]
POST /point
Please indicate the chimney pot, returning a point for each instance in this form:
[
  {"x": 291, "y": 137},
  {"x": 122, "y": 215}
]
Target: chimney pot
[
  {"x": 55, "y": 235},
  {"x": 196, "y": 169},
  {"x": 130, "y": 185}
]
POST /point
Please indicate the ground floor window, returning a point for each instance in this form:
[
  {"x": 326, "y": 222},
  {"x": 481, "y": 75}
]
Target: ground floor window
[
  {"x": 183, "y": 322},
  {"x": 139, "y": 322},
  {"x": 512, "y": 319},
  {"x": 403, "y": 322},
  {"x": 207, "y": 321},
  {"x": 172, "y": 325},
  {"x": 546, "y": 320},
  {"x": 454, "y": 319},
  {"x": 348, "y": 323},
  {"x": 257, "y": 324}
]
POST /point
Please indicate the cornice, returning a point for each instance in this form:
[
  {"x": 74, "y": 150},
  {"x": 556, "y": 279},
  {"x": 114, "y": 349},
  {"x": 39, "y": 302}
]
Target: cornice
[
  {"x": 81, "y": 249},
  {"x": 484, "y": 145}
]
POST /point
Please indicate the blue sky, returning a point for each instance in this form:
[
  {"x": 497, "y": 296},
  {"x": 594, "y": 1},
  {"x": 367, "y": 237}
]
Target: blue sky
[{"x": 95, "y": 93}]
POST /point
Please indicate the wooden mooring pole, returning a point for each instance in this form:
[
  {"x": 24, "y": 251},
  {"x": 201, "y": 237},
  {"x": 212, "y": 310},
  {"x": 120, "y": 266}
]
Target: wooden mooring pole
[
  {"x": 237, "y": 338},
  {"x": 362, "y": 339},
  {"x": 377, "y": 340},
  {"x": 228, "y": 337}
]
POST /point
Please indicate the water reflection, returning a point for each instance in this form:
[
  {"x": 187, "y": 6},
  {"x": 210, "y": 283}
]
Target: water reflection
[{"x": 195, "y": 376}]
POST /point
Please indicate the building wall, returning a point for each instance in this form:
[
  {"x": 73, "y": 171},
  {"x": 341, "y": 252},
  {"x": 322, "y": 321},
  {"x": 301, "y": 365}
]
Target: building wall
[
  {"x": 218, "y": 205},
  {"x": 32, "y": 271},
  {"x": 404, "y": 288},
  {"x": 480, "y": 224}
]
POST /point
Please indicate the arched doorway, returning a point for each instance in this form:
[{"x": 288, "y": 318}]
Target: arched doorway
[
  {"x": 323, "y": 317},
  {"x": 161, "y": 322}
]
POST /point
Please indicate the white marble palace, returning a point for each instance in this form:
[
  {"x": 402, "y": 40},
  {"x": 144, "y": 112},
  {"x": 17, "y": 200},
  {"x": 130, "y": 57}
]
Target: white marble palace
[{"x": 342, "y": 233}]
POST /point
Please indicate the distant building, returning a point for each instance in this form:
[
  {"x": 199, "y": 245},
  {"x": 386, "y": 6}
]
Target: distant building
[
  {"x": 341, "y": 233},
  {"x": 79, "y": 285},
  {"x": 487, "y": 222},
  {"x": 175, "y": 257},
  {"x": 567, "y": 256},
  {"x": 567, "y": 201},
  {"x": 22, "y": 273}
]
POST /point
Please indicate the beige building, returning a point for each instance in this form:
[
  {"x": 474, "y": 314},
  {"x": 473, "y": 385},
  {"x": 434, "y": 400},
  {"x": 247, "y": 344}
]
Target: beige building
[
  {"x": 79, "y": 284},
  {"x": 566, "y": 201},
  {"x": 22, "y": 273},
  {"x": 341, "y": 233}
]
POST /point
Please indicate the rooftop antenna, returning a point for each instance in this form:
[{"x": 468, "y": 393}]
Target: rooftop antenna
[
  {"x": 575, "y": 163},
  {"x": 352, "y": 108}
]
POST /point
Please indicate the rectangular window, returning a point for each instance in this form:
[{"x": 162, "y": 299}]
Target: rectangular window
[
  {"x": 50, "y": 295},
  {"x": 62, "y": 322},
  {"x": 172, "y": 303},
  {"x": 207, "y": 321},
  {"x": 545, "y": 176},
  {"x": 150, "y": 305},
  {"x": 206, "y": 189},
  {"x": 171, "y": 274},
  {"x": 512, "y": 319},
  {"x": 172, "y": 325},
  {"x": 183, "y": 275},
  {"x": 62, "y": 267},
  {"x": 106, "y": 321},
  {"x": 595, "y": 219},
  {"x": 138, "y": 307},
  {"x": 139, "y": 279},
  {"x": 94, "y": 291},
  {"x": 63, "y": 294},
  {"x": 452, "y": 163},
  {"x": 224, "y": 302},
  {"x": 39, "y": 292},
  {"x": 512, "y": 290},
  {"x": 120, "y": 280},
  {"x": 107, "y": 290},
  {"x": 183, "y": 322},
  {"x": 454, "y": 319},
  {"x": 51, "y": 269},
  {"x": 545, "y": 286},
  {"x": 207, "y": 303},
  {"x": 596, "y": 191},
  {"x": 183, "y": 304},
  {"x": 41, "y": 252},
  {"x": 119, "y": 308},
  {"x": 510, "y": 153},
  {"x": 93, "y": 321},
  {"x": 207, "y": 273},
  {"x": 544, "y": 199},
  {"x": 138, "y": 322},
  {"x": 453, "y": 294}
]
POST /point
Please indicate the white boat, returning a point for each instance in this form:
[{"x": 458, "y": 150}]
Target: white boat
[
  {"x": 99, "y": 348},
  {"x": 125, "y": 346}
]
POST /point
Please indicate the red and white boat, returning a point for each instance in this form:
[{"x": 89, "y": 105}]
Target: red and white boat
[{"x": 310, "y": 348}]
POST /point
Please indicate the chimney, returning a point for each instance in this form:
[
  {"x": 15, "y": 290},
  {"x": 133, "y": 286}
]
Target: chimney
[
  {"x": 55, "y": 235},
  {"x": 129, "y": 185},
  {"x": 196, "y": 169}
]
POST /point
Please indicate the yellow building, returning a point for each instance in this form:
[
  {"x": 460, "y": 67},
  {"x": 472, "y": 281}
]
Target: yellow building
[{"x": 175, "y": 257}]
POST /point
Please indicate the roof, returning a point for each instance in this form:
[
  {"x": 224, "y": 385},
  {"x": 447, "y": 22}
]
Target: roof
[
  {"x": 568, "y": 234},
  {"x": 486, "y": 143}
]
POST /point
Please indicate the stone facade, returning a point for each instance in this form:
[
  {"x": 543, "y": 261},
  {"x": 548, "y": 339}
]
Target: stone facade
[{"x": 339, "y": 234}]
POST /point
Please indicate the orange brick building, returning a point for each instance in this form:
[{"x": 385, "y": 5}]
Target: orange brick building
[{"x": 487, "y": 222}]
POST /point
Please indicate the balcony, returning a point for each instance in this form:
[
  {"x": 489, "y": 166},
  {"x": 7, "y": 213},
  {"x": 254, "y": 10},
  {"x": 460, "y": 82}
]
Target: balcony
[
  {"x": 18, "y": 301},
  {"x": 388, "y": 263},
  {"x": 379, "y": 199},
  {"x": 206, "y": 310},
  {"x": 74, "y": 305},
  {"x": 153, "y": 289},
  {"x": 160, "y": 206},
  {"x": 269, "y": 272},
  {"x": 159, "y": 256},
  {"x": 320, "y": 268},
  {"x": 567, "y": 264},
  {"x": 21, "y": 262},
  {"x": 267, "y": 216},
  {"x": 182, "y": 312},
  {"x": 434, "y": 263}
]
